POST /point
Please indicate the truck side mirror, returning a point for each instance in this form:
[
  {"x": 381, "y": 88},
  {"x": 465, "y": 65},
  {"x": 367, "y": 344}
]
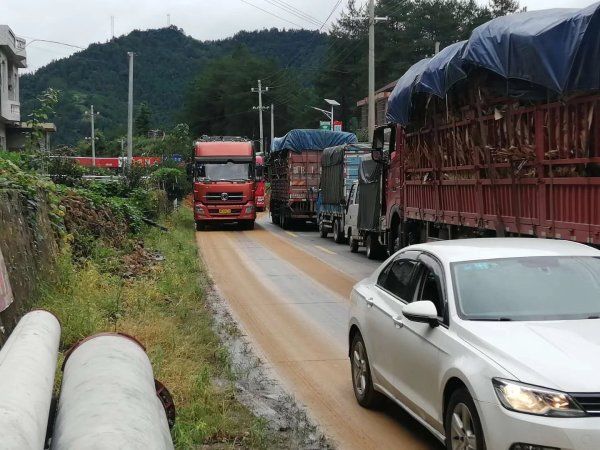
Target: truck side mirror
[{"x": 378, "y": 147}]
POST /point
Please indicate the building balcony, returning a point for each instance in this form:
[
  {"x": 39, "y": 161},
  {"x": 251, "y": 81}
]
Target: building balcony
[
  {"x": 10, "y": 111},
  {"x": 13, "y": 46}
]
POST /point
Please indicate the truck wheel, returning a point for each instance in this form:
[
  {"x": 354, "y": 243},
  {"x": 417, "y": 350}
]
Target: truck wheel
[
  {"x": 322, "y": 230},
  {"x": 274, "y": 219},
  {"x": 353, "y": 245},
  {"x": 372, "y": 247},
  {"x": 338, "y": 235}
]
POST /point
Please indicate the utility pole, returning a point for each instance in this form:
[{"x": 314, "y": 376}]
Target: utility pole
[
  {"x": 93, "y": 137},
  {"x": 122, "y": 158},
  {"x": 130, "y": 114},
  {"x": 372, "y": 21},
  {"x": 260, "y": 108},
  {"x": 93, "y": 115},
  {"x": 112, "y": 26},
  {"x": 168, "y": 20},
  {"x": 272, "y": 123}
]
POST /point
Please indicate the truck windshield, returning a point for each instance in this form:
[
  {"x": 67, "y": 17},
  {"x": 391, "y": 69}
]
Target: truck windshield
[
  {"x": 224, "y": 171},
  {"x": 531, "y": 288}
]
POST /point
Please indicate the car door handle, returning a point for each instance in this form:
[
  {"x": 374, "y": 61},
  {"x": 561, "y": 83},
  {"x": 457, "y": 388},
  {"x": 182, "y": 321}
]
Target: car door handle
[
  {"x": 369, "y": 302},
  {"x": 398, "y": 322}
]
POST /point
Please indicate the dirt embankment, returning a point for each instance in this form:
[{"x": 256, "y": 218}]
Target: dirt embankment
[{"x": 29, "y": 244}]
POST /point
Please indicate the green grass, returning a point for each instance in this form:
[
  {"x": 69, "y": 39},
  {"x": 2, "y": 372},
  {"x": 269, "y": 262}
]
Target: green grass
[{"x": 166, "y": 310}]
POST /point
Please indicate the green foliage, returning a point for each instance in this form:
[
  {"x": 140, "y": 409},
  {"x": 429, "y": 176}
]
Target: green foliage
[
  {"x": 166, "y": 63},
  {"x": 43, "y": 112},
  {"x": 220, "y": 101},
  {"x": 151, "y": 202},
  {"x": 167, "y": 310},
  {"x": 142, "y": 120},
  {"x": 173, "y": 181}
]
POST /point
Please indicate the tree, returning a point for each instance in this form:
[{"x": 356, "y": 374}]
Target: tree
[
  {"x": 43, "y": 113},
  {"x": 142, "y": 120},
  {"x": 503, "y": 7},
  {"x": 220, "y": 101}
]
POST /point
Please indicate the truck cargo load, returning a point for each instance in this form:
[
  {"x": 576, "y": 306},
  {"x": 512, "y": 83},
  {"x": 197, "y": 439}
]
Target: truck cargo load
[
  {"x": 498, "y": 135},
  {"x": 339, "y": 171},
  {"x": 294, "y": 169}
]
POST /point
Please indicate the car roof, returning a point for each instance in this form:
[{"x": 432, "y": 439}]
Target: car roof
[{"x": 494, "y": 248}]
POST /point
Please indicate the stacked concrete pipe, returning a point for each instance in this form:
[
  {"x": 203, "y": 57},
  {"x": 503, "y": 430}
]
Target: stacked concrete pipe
[
  {"x": 108, "y": 398},
  {"x": 27, "y": 368}
]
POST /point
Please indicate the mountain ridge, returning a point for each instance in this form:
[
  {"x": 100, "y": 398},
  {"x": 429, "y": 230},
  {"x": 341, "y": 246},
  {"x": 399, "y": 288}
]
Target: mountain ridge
[{"x": 166, "y": 62}]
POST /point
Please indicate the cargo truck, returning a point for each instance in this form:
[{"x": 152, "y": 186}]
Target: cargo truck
[
  {"x": 339, "y": 171},
  {"x": 495, "y": 136},
  {"x": 294, "y": 171},
  {"x": 224, "y": 182}
]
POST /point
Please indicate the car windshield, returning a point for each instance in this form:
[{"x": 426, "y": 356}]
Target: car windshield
[
  {"x": 532, "y": 288},
  {"x": 218, "y": 171}
]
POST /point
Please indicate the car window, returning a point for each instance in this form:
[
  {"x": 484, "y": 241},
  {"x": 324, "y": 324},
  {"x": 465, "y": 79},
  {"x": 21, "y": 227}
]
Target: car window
[
  {"x": 397, "y": 279},
  {"x": 430, "y": 289}
]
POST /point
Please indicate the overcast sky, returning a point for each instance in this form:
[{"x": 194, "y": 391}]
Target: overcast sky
[{"x": 81, "y": 22}]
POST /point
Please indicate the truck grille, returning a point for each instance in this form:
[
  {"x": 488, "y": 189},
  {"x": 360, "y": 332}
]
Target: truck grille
[
  {"x": 224, "y": 197},
  {"x": 589, "y": 402}
]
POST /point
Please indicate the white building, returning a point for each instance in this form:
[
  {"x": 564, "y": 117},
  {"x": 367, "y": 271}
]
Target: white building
[{"x": 12, "y": 58}]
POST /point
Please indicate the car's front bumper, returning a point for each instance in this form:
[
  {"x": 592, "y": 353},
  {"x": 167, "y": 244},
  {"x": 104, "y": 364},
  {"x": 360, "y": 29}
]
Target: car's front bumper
[{"x": 503, "y": 428}]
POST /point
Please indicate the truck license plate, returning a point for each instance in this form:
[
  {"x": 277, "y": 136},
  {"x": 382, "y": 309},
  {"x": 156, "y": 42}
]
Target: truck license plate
[{"x": 224, "y": 211}]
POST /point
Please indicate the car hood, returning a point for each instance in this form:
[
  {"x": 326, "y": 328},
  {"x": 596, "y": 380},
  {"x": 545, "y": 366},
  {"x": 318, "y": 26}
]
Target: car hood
[{"x": 561, "y": 355}]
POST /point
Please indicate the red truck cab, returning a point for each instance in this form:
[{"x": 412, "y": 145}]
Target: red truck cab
[
  {"x": 224, "y": 182},
  {"x": 259, "y": 193}
]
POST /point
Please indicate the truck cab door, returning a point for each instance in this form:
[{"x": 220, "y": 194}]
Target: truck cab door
[{"x": 351, "y": 220}]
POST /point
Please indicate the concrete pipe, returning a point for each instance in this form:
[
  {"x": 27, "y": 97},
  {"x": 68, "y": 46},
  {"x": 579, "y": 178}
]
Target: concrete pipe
[
  {"x": 27, "y": 368},
  {"x": 108, "y": 398}
]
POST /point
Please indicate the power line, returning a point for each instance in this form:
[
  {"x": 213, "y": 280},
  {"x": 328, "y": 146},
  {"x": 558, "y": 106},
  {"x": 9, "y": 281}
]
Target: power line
[
  {"x": 299, "y": 11},
  {"x": 271, "y": 13},
  {"x": 53, "y": 42},
  {"x": 293, "y": 11}
]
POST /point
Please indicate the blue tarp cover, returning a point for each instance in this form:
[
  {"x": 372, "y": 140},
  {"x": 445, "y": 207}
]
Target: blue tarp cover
[
  {"x": 298, "y": 140},
  {"x": 558, "y": 49},
  {"x": 400, "y": 100},
  {"x": 442, "y": 71},
  {"x": 555, "y": 48}
]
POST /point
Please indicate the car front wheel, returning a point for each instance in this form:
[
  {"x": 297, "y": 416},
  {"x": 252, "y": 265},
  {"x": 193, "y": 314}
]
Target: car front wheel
[
  {"x": 365, "y": 393},
  {"x": 462, "y": 424}
]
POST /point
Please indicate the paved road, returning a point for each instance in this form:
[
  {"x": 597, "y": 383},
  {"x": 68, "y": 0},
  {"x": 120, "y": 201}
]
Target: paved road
[{"x": 289, "y": 293}]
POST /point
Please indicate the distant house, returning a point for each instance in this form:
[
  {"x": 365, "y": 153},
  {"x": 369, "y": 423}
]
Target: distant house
[
  {"x": 12, "y": 58},
  {"x": 381, "y": 98},
  {"x": 18, "y": 133}
]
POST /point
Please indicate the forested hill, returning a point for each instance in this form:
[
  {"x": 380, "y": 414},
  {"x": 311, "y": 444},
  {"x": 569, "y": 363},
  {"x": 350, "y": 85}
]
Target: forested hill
[{"x": 166, "y": 62}]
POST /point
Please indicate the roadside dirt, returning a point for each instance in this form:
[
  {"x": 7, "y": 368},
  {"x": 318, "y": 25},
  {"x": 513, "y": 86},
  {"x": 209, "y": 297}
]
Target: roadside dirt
[
  {"x": 312, "y": 365},
  {"x": 258, "y": 389}
]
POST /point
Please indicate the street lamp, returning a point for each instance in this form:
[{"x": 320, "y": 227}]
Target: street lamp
[
  {"x": 333, "y": 104},
  {"x": 329, "y": 114}
]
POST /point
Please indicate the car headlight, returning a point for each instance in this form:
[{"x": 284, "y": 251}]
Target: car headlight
[
  {"x": 249, "y": 209},
  {"x": 535, "y": 400}
]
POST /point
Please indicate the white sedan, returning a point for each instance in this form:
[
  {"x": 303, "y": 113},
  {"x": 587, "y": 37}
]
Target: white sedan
[{"x": 489, "y": 343}]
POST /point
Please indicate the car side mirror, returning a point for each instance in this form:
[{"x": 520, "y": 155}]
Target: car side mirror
[{"x": 422, "y": 312}]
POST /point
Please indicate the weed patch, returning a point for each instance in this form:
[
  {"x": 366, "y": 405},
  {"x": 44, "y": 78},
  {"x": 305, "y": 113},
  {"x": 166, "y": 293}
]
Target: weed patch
[{"x": 164, "y": 307}]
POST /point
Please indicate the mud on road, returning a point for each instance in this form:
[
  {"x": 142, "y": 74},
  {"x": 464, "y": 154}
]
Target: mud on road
[{"x": 292, "y": 309}]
